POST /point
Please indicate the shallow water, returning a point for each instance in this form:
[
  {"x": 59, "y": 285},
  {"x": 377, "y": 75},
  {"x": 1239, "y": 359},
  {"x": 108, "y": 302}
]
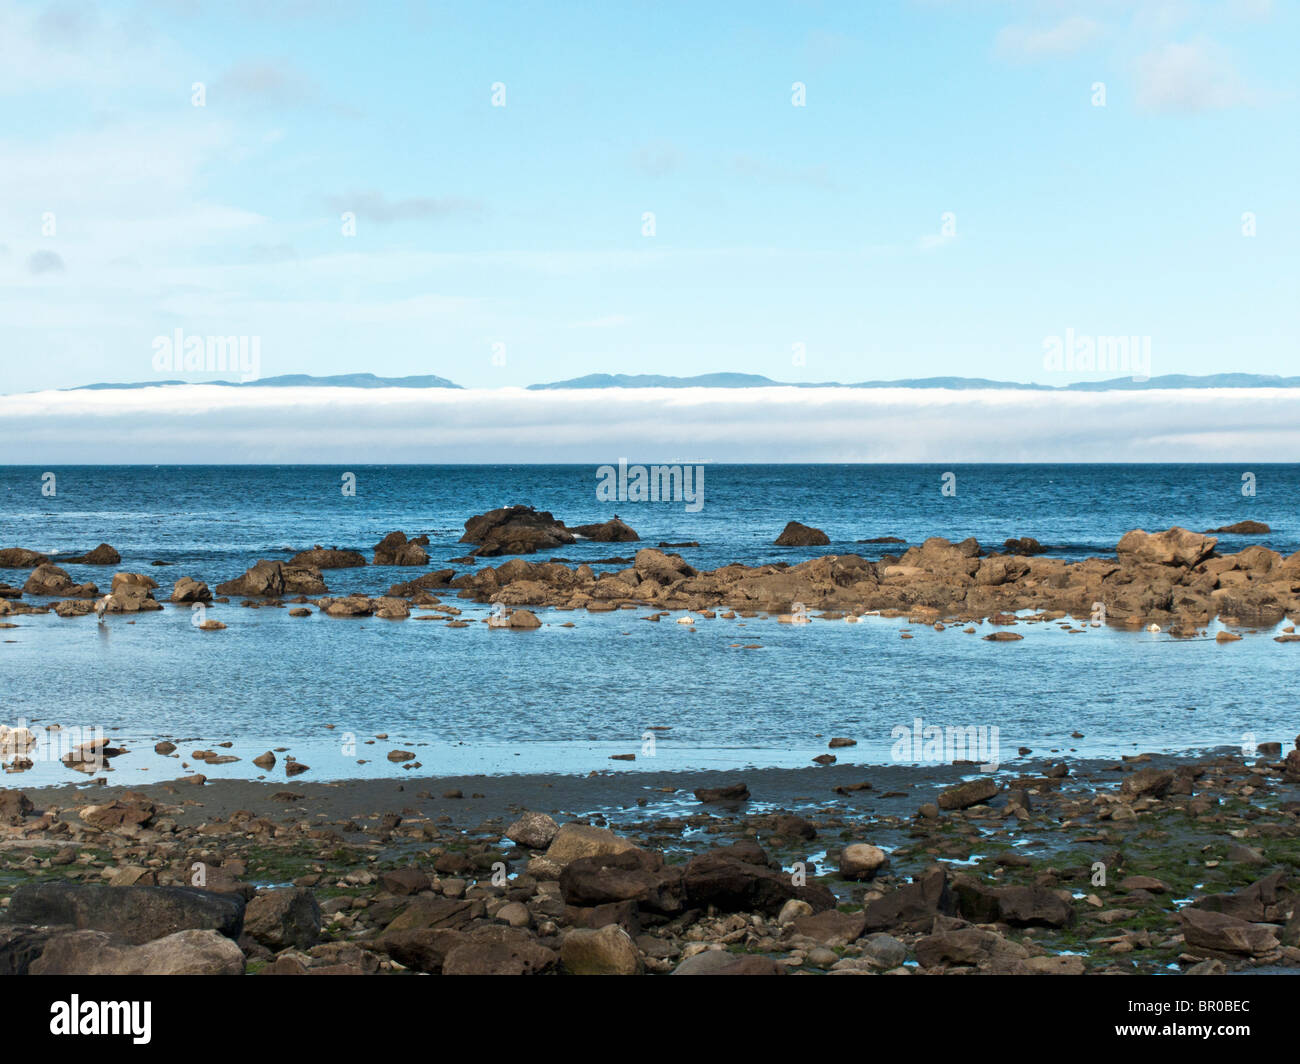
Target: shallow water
[{"x": 477, "y": 700}]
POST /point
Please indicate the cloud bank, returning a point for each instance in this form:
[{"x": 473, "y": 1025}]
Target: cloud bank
[{"x": 203, "y": 424}]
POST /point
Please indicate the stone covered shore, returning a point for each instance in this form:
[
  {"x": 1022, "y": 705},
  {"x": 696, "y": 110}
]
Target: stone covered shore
[
  {"x": 1146, "y": 865},
  {"x": 1176, "y": 579}
]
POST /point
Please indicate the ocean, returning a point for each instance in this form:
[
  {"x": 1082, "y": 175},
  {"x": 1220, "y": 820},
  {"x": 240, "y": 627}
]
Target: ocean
[{"x": 562, "y": 699}]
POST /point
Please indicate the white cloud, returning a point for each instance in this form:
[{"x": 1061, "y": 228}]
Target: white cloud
[
  {"x": 1031, "y": 42},
  {"x": 211, "y": 424},
  {"x": 1191, "y": 77}
]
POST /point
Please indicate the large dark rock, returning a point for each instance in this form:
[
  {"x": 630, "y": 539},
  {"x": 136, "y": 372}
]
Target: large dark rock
[
  {"x": 329, "y": 558},
  {"x": 498, "y": 951},
  {"x": 797, "y": 535},
  {"x": 396, "y": 549},
  {"x": 973, "y": 792},
  {"x": 612, "y": 531},
  {"x": 1175, "y": 547},
  {"x": 192, "y": 952},
  {"x": 101, "y": 555},
  {"x": 633, "y": 875},
  {"x": 20, "y": 558},
  {"x": 914, "y": 906},
  {"x": 19, "y": 946},
  {"x": 49, "y": 580},
  {"x": 1241, "y": 528},
  {"x": 515, "y": 530},
  {"x": 1019, "y": 906},
  {"x": 1220, "y": 933},
  {"x": 733, "y": 885},
  {"x": 439, "y": 578},
  {"x": 273, "y": 579},
  {"x": 1267, "y": 900},
  {"x": 728, "y": 792},
  {"x": 724, "y": 962},
  {"x": 131, "y": 914},
  {"x": 423, "y": 949},
  {"x": 282, "y": 918},
  {"x": 14, "y": 805}
]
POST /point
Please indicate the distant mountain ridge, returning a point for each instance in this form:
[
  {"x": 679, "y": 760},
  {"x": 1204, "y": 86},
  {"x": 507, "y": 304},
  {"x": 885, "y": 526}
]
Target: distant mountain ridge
[
  {"x": 736, "y": 380},
  {"x": 297, "y": 380}
]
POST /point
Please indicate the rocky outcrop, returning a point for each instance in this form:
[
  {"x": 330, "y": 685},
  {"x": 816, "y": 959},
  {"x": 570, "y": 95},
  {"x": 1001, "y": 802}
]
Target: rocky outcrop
[
  {"x": 396, "y": 549},
  {"x": 634, "y": 875},
  {"x": 515, "y": 530},
  {"x": 97, "y": 953},
  {"x": 436, "y": 580},
  {"x": 131, "y": 914},
  {"x": 329, "y": 558},
  {"x": 612, "y": 531},
  {"x": 21, "y": 558},
  {"x": 534, "y": 831},
  {"x": 608, "y": 951},
  {"x": 1174, "y": 546},
  {"x": 271, "y": 579},
  {"x": 101, "y": 555},
  {"x": 189, "y": 590},
  {"x": 278, "y": 919},
  {"x": 938, "y": 580},
  {"x": 49, "y": 580},
  {"x": 741, "y": 879},
  {"x": 389, "y": 608},
  {"x": 1221, "y": 933},
  {"x": 132, "y": 593},
  {"x": 797, "y": 535},
  {"x": 1241, "y": 528}
]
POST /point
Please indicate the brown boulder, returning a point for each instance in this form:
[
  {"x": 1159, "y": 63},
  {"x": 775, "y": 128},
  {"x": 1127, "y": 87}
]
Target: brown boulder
[
  {"x": 101, "y": 555},
  {"x": 329, "y": 558},
  {"x": 1175, "y": 546},
  {"x": 187, "y": 589},
  {"x": 396, "y": 549},
  {"x": 515, "y": 530},
  {"x": 20, "y": 558},
  {"x": 49, "y": 580},
  {"x": 612, "y": 531},
  {"x": 797, "y": 535},
  {"x": 272, "y": 579}
]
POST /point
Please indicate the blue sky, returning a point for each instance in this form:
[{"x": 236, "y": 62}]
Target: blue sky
[{"x": 522, "y": 225}]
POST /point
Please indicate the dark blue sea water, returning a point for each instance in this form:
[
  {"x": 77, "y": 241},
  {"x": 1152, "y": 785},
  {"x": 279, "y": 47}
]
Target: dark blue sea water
[{"x": 565, "y": 699}]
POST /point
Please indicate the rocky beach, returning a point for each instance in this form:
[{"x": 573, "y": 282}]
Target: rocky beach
[
  {"x": 1045, "y": 864},
  {"x": 1149, "y": 864}
]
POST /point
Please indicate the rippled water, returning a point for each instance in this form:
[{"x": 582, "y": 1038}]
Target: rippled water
[{"x": 565, "y": 699}]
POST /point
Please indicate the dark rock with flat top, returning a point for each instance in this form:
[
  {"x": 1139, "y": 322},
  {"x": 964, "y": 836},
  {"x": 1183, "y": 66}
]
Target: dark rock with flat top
[{"x": 131, "y": 914}]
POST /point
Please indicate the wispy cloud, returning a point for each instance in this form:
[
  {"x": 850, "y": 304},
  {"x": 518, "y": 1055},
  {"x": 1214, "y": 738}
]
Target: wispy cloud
[
  {"x": 39, "y": 262},
  {"x": 1023, "y": 43},
  {"x": 378, "y": 208},
  {"x": 1190, "y": 77}
]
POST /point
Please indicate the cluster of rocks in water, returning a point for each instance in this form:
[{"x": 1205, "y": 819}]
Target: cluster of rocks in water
[
  {"x": 1175, "y": 578},
  {"x": 992, "y": 876}
]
